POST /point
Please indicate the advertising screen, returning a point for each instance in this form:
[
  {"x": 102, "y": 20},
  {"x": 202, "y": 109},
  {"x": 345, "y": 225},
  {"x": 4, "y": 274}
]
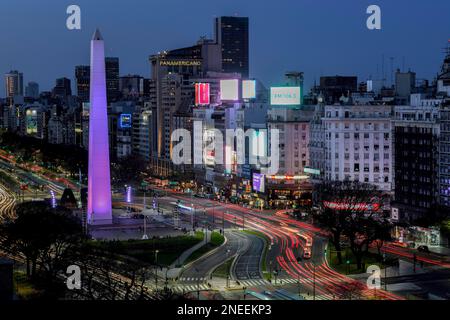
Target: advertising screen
[
  {"x": 229, "y": 90},
  {"x": 258, "y": 182},
  {"x": 248, "y": 89},
  {"x": 31, "y": 121},
  {"x": 285, "y": 96},
  {"x": 202, "y": 94},
  {"x": 125, "y": 120}
]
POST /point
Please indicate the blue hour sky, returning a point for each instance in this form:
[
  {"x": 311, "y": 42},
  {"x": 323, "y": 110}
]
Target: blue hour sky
[{"x": 318, "y": 37}]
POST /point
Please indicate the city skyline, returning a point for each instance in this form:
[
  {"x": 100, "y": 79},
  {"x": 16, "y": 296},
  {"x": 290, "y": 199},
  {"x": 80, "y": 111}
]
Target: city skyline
[{"x": 132, "y": 39}]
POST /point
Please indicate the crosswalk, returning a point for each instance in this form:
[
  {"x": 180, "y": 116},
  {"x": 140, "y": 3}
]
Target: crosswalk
[
  {"x": 193, "y": 279},
  {"x": 187, "y": 285},
  {"x": 189, "y": 288},
  {"x": 250, "y": 282}
]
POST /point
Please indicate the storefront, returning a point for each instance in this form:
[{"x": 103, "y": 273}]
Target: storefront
[
  {"x": 290, "y": 194},
  {"x": 417, "y": 236}
]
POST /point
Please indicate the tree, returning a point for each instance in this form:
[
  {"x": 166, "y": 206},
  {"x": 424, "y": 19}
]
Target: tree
[
  {"x": 108, "y": 276},
  {"x": 335, "y": 225},
  {"x": 42, "y": 235},
  {"x": 350, "y": 209}
]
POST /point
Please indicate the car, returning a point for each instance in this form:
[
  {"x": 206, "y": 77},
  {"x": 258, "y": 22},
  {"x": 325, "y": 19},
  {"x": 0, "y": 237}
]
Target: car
[{"x": 423, "y": 249}]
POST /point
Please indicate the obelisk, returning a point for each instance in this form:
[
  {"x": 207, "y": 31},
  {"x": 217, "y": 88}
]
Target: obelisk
[{"x": 99, "y": 180}]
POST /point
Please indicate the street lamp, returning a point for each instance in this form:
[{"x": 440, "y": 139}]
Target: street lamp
[{"x": 156, "y": 268}]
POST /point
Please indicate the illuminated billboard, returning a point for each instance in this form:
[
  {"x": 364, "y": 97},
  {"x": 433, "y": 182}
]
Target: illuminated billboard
[
  {"x": 359, "y": 206},
  {"x": 248, "y": 89},
  {"x": 229, "y": 90},
  {"x": 258, "y": 182},
  {"x": 285, "y": 96},
  {"x": 311, "y": 171},
  {"x": 31, "y": 121},
  {"x": 125, "y": 120},
  {"x": 202, "y": 93}
]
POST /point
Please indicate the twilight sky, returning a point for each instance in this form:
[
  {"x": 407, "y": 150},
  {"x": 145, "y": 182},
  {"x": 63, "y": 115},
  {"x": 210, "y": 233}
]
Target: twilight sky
[{"x": 318, "y": 37}]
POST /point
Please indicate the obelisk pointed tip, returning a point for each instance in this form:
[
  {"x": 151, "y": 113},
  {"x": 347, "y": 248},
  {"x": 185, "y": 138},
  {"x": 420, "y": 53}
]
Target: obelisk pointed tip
[{"x": 97, "y": 35}]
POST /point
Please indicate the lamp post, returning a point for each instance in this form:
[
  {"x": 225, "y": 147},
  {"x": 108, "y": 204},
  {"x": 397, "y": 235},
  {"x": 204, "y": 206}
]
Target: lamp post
[
  {"x": 192, "y": 216},
  {"x": 144, "y": 236},
  {"x": 156, "y": 269}
]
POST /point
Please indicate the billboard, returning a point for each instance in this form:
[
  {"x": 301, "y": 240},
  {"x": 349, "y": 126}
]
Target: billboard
[
  {"x": 202, "y": 93},
  {"x": 229, "y": 90},
  {"x": 285, "y": 96},
  {"x": 258, "y": 182},
  {"x": 31, "y": 121},
  {"x": 125, "y": 120},
  {"x": 248, "y": 89},
  {"x": 311, "y": 171}
]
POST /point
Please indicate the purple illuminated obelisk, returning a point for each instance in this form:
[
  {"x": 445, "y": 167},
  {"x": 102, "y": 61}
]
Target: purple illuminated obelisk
[{"x": 99, "y": 182}]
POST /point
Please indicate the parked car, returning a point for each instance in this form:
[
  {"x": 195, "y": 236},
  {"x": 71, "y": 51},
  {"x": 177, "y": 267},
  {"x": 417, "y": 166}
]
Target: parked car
[{"x": 423, "y": 249}]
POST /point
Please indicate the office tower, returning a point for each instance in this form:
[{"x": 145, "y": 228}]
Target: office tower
[
  {"x": 99, "y": 181},
  {"x": 169, "y": 89},
  {"x": 82, "y": 76},
  {"x": 112, "y": 79},
  {"x": 443, "y": 88},
  {"x": 32, "y": 90},
  {"x": 416, "y": 145},
  {"x": 131, "y": 86},
  {"x": 232, "y": 35},
  {"x": 62, "y": 88},
  {"x": 14, "y": 84}
]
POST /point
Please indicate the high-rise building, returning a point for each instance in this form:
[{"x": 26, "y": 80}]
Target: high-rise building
[
  {"x": 32, "y": 90},
  {"x": 131, "y": 86},
  {"x": 444, "y": 154},
  {"x": 293, "y": 124},
  {"x": 358, "y": 144},
  {"x": 62, "y": 88},
  {"x": 232, "y": 34},
  {"x": 112, "y": 78},
  {"x": 416, "y": 138},
  {"x": 99, "y": 179},
  {"x": 170, "y": 89},
  {"x": 14, "y": 84},
  {"x": 82, "y": 76}
]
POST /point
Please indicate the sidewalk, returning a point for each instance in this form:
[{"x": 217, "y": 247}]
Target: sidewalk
[{"x": 405, "y": 268}]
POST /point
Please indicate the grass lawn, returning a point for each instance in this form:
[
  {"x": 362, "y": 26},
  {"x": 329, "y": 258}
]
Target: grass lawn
[
  {"x": 223, "y": 270},
  {"x": 216, "y": 240},
  {"x": 169, "y": 249},
  {"x": 351, "y": 268}
]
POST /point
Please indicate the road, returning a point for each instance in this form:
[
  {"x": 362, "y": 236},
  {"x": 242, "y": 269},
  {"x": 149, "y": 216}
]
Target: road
[
  {"x": 313, "y": 275},
  {"x": 248, "y": 264},
  {"x": 203, "y": 268},
  {"x": 7, "y": 203}
]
